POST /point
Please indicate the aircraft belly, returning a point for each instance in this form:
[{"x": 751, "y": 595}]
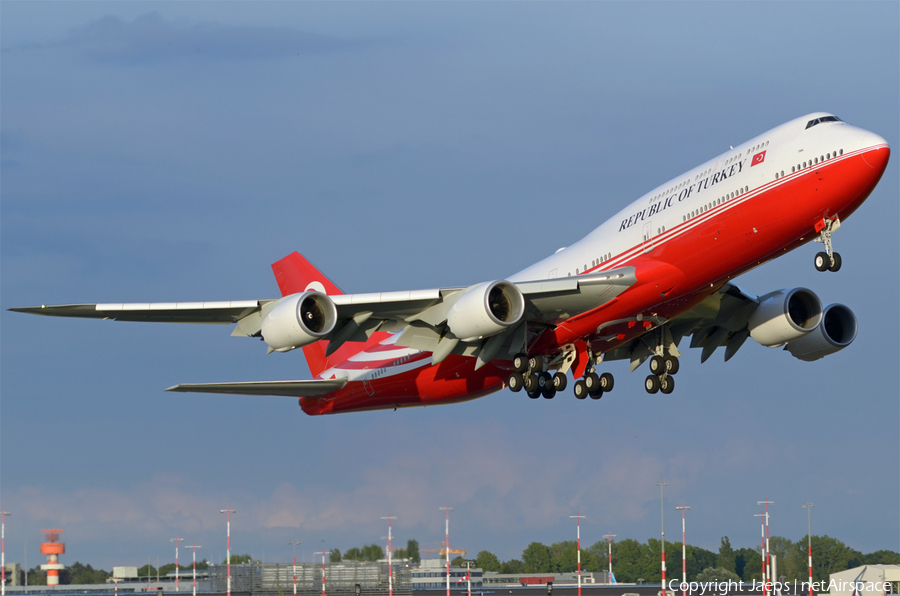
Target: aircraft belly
[{"x": 452, "y": 381}]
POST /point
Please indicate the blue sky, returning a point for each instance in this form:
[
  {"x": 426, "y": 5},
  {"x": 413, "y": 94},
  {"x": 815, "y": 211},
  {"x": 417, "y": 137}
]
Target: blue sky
[{"x": 172, "y": 151}]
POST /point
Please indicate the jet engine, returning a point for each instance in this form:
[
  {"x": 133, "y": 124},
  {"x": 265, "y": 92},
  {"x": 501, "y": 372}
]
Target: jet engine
[
  {"x": 836, "y": 331},
  {"x": 785, "y": 316},
  {"x": 298, "y": 320},
  {"x": 485, "y": 310}
]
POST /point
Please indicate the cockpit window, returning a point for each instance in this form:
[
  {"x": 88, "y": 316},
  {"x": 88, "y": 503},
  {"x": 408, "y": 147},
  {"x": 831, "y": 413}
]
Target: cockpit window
[{"x": 812, "y": 123}]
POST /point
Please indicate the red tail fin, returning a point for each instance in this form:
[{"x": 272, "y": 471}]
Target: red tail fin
[{"x": 295, "y": 274}]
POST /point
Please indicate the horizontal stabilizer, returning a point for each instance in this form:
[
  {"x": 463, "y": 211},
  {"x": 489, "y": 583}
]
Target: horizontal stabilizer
[{"x": 311, "y": 388}]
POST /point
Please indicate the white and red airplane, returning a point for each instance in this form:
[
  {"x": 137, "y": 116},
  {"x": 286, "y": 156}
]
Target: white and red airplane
[{"x": 658, "y": 271}]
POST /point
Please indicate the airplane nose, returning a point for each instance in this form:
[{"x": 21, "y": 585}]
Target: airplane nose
[
  {"x": 870, "y": 139},
  {"x": 878, "y": 150}
]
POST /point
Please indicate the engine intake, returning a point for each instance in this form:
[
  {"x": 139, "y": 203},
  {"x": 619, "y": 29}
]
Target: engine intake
[
  {"x": 836, "y": 331},
  {"x": 486, "y": 309},
  {"x": 785, "y": 316},
  {"x": 299, "y": 320}
]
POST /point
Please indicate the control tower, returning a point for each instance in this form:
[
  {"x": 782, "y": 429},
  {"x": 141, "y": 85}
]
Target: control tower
[{"x": 52, "y": 548}]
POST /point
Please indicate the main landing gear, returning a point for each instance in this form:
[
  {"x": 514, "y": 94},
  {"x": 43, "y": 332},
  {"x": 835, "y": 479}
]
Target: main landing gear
[
  {"x": 661, "y": 379},
  {"x": 828, "y": 260},
  {"x": 529, "y": 374}
]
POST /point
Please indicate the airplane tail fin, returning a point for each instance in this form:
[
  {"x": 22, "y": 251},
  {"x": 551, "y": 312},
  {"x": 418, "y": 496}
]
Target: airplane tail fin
[{"x": 295, "y": 274}]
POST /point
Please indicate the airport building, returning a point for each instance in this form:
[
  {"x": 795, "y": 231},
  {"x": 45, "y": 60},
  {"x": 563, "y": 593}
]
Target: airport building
[
  {"x": 432, "y": 573},
  {"x": 494, "y": 579},
  {"x": 868, "y": 580},
  {"x": 347, "y": 578}
]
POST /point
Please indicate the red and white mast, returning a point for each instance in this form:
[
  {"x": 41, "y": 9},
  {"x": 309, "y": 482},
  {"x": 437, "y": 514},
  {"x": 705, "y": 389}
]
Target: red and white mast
[
  {"x": 228, "y": 513},
  {"x": 194, "y": 569},
  {"x": 176, "y": 540},
  {"x": 683, "y": 551},
  {"x": 447, "y": 511},
  {"x": 578, "y": 519},
  {"x": 663, "y": 516},
  {"x": 294, "y": 543},
  {"x": 323, "y": 571},
  {"x": 808, "y": 507},
  {"x": 768, "y": 565},
  {"x": 390, "y": 518},
  {"x": 762, "y": 548},
  {"x": 3, "y": 515},
  {"x": 609, "y": 538}
]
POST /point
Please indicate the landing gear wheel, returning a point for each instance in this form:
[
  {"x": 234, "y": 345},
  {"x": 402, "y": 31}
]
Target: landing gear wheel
[
  {"x": 672, "y": 365},
  {"x": 657, "y": 365},
  {"x": 534, "y": 394},
  {"x": 560, "y": 381},
  {"x": 531, "y": 383},
  {"x": 520, "y": 363},
  {"x": 667, "y": 384},
  {"x": 651, "y": 384},
  {"x": 592, "y": 382},
  {"x": 536, "y": 363},
  {"x": 822, "y": 261},
  {"x": 581, "y": 391},
  {"x": 597, "y": 394},
  {"x": 515, "y": 382},
  {"x": 837, "y": 263},
  {"x": 544, "y": 379},
  {"x": 548, "y": 391},
  {"x": 607, "y": 381}
]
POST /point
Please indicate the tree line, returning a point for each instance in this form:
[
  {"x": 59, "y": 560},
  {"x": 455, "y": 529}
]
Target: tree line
[
  {"x": 635, "y": 561},
  {"x": 632, "y": 561}
]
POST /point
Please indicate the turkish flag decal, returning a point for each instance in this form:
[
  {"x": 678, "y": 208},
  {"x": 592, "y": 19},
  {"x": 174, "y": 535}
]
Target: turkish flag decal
[{"x": 758, "y": 159}]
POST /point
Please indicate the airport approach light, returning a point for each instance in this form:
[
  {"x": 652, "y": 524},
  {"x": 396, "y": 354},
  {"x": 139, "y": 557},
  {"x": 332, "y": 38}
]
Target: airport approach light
[
  {"x": 447, "y": 511},
  {"x": 662, "y": 514},
  {"x": 768, "y": 557},
  {"x": 808, "y": 507},
  {"x": 578, "y": 519},
  {"x": 683, "y": 550},
  {"x": 228, "y": 513},
  {"x": 294, "y": 543},
  {"x": 609, "y": 538},
  {"x": 390, "y": 518},
  {"x": 3, "y": 515},
  {"x": 176, "y": 540}
]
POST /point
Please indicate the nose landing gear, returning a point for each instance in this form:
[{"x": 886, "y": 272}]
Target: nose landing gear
[{"x": 828, "y": 260}]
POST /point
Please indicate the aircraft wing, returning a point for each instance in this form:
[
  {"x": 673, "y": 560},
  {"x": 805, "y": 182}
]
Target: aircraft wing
[
  {"x": 304, "y": 388},
  {"x": 420, "y": 315},
  {"x": 720, "y": 320}
]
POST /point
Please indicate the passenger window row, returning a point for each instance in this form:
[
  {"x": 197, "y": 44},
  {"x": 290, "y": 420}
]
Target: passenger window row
[
  {"x": 594, "y": 263},
  {"x": 719, "y": 201},
  {"x": 811, "y": 163},
  {"x": 756, "y": 148}
]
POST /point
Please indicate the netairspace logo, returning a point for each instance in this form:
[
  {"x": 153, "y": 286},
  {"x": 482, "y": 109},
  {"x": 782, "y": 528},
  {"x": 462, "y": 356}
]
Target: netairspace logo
[{"x": 797, "y": 587}]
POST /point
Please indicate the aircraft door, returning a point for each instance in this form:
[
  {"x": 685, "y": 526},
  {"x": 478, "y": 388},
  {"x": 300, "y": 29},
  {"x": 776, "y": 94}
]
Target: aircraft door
[
  {"x": 647, "y": 237},
  {"x": 367, "y": 383}
]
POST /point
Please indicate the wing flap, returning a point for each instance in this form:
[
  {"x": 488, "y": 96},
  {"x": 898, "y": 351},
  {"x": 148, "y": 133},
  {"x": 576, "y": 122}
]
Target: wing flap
[{"x": 303, "y": 388}]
